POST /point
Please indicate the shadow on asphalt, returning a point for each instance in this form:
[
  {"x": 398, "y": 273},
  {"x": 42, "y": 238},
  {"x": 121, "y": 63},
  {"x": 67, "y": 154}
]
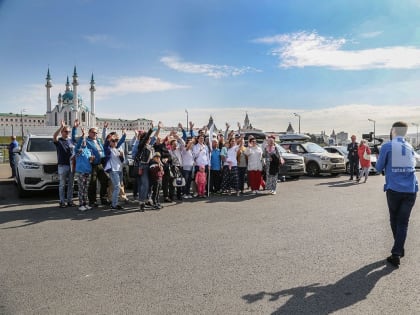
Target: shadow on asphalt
[
  {"x": 339, "y": 183},
  {"x": 316, "y": 299},
  {"x": 38, "y": 215}
]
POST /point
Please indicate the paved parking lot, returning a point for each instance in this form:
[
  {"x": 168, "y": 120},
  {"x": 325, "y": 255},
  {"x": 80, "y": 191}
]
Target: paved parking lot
[{"x": 317, "y": 247}]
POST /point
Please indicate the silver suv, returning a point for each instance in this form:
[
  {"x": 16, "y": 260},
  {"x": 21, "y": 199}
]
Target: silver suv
[
  {"x": 36, "y": 165},
  {"x": 317, "y": 160}
]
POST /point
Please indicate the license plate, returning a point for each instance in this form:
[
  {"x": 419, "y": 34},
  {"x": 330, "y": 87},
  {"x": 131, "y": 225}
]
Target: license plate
[
  {"x": 295, "y": 167},
  {"x": 54, "y": 177}
]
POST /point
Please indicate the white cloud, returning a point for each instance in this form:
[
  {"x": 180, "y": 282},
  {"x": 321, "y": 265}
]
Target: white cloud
[
  {"x": 305, "y": 49},
  {"x": 371, "y": 34},
  {"x": 135, "y": 85},
  {"x": 214, "y": 71},
  {"x": 352, "y": 118}
]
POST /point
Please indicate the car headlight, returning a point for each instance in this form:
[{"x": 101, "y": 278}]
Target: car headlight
[
  {"x": 325, "y": 158},
  {"x": 30, "y": 165}
]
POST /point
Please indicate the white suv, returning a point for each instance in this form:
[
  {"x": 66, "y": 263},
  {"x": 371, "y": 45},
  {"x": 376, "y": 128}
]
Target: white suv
[
  {"x": 317, "y": 160},
  {"x": 36, "y": 165}
]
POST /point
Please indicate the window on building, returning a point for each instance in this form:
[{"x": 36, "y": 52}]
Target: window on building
[
  {"x": 55, "y": 119},
  {"x": 69, "y": 118},
  {"x": 65, "y": 118},
  {"x": 83, "y": 117}
]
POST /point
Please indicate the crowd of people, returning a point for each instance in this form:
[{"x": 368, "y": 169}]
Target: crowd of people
[{"x": 182, "y": 165}]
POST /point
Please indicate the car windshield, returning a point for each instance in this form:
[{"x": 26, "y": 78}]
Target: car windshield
[
  {"x": 313, "y": 147},
  {"x": 281, "y": 149},
  {"x": 41, "y": 145}
]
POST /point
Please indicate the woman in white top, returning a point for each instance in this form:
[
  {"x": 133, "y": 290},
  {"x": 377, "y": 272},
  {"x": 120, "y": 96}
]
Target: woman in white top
[
  {"x": 254, "y": 154},
  {"x": 114, "y": 164},
  {"x": 230, "y": 167}
]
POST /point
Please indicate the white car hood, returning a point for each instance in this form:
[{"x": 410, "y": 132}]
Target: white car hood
[{"x": 41, "y": 157}]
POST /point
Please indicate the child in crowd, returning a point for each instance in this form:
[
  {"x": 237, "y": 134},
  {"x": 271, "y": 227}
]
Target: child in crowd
[
  {"x": 201, "y": 181},
  {"x": 155, "y": 178},
  {"x": 84, "y": 158}
]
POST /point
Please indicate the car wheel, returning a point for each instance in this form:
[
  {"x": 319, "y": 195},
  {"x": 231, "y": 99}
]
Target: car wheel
[
  {"x": 22, "y": 193},
  {"x": 312, "y": 169}
]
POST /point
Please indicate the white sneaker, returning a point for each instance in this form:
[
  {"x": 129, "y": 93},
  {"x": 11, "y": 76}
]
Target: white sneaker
[
  {"x": 88, "y": 207},
  {"x": 273, "y": 192},
  {"x": 82, "y": 208}
]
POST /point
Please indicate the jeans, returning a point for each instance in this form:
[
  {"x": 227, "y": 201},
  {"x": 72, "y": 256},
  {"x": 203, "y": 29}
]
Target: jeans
[
  {"x": 116, "y": 179},
  {"x": 12, "y": 164},
  {"x": 143, "y": 183},
  {"x": 66, "y": 178},
  {"x": 400, "y": 205},
  {"x": 354, "y": 167},
  {"x": 188, "y": 177}
]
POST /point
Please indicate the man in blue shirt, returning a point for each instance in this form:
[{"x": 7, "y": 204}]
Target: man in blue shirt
[
  {"x": 64, "y": 146},
  {"x": 397, "y": 159},
  {"x": 12, "y": 146}
]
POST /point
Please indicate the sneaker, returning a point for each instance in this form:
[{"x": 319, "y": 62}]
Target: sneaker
[
  {"x": 71, "y": 204},
  {"x": 117, "y": 207},
  {"x": 88, "y": 207},
  {"x": 142, "y": 206},
  {"x": 394, "y": 260},
  {"x": 82, "y": 208},
  {"x": 93, "y": 205},
  {"x": 62, "y": 205},
  {"x": 273, "y": 192}
]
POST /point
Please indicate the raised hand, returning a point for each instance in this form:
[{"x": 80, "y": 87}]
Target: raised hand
[
  {"x": 76, "y": 123},
  {"x": 191, "y": 125},
  {"x": 160, "y": 125},
  {"x": 180, "y": 126},
  {"x": 227, "y": 125},
  {"x": 105, "y": 124},
  {"x": 123, "y": 130},
  {"x": 83, "y": 131}
]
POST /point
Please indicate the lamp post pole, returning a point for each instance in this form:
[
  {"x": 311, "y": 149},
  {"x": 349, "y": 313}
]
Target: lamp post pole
[
  {"x": 417, "y": 134},
  {"x": 297, "y": 115},
  {"x": 374, "y": 127},
  {"x": 187, "y": 118},
  {"x": 21, "y": 121}
]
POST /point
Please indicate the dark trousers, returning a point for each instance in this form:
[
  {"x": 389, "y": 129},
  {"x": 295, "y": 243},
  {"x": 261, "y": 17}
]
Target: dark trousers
[
  {"x": 188, "y": 178},
  {"x": 215, "y": 180},
  {"x": 241, "y": 177},
  {"x": 156, "y": 186},
  {"x": 354, "y": 167},
  {"x": 98, "y": 173},
  {"x": 12, "y": 164},
  {"x": 400, "y": 205}
]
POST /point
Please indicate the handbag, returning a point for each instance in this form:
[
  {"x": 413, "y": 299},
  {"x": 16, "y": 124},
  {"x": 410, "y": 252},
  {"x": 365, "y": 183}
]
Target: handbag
[
  {"x": 366, "y": 156},
  {"x": 178, "y": 182}
]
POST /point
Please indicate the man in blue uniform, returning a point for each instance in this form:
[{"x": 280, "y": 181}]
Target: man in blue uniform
[{"x": 397, "y": 159}]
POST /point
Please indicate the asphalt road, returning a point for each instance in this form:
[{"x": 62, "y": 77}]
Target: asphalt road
[{"x": 317, "y": 247}]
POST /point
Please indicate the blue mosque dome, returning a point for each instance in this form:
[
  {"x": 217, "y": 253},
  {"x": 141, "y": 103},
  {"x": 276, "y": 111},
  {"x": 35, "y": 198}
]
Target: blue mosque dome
[{"x": 68, "y": 97}]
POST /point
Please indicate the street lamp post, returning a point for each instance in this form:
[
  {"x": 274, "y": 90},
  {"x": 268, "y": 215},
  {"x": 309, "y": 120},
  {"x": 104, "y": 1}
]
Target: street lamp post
[
  {"x": 374, "y": 131},
  {"x": 21, "y": 121},
  {"x": 417, "y": 134},
  {"x": 187, "y": 118},
  {"x": 297, "y": 115}
]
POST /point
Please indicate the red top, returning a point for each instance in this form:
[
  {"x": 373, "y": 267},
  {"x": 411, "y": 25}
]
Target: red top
[{"x": 361, "y": 152}]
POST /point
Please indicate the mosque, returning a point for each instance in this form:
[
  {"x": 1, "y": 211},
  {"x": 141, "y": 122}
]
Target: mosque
[{"x": 70, "y": 104}]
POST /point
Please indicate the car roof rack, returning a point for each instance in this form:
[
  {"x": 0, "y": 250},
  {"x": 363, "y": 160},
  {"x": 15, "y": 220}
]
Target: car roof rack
[{"x": 294, "y": 137}]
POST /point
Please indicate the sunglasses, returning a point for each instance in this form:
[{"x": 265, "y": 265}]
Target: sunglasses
[
  {"x": 93, "y": 132},
  {"x": 67, "y": 131},
  {"x": 114, "y": 140}
]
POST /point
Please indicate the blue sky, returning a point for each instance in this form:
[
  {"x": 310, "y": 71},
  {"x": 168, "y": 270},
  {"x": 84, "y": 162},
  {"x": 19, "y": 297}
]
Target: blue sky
[{"x": 335, "y": 63}]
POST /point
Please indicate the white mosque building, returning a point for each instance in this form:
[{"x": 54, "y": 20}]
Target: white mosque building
[{"x": 70, "y": 104}]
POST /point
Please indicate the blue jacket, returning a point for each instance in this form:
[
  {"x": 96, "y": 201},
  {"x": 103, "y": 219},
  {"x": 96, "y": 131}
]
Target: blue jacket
[
  {"x": 108, "y": 148},
  {"x": 397, "y": 159},
  {"x": 83, "y": 155},
  {"x": 215, "y": 160},
  {"x": 91, "y": 145}
]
